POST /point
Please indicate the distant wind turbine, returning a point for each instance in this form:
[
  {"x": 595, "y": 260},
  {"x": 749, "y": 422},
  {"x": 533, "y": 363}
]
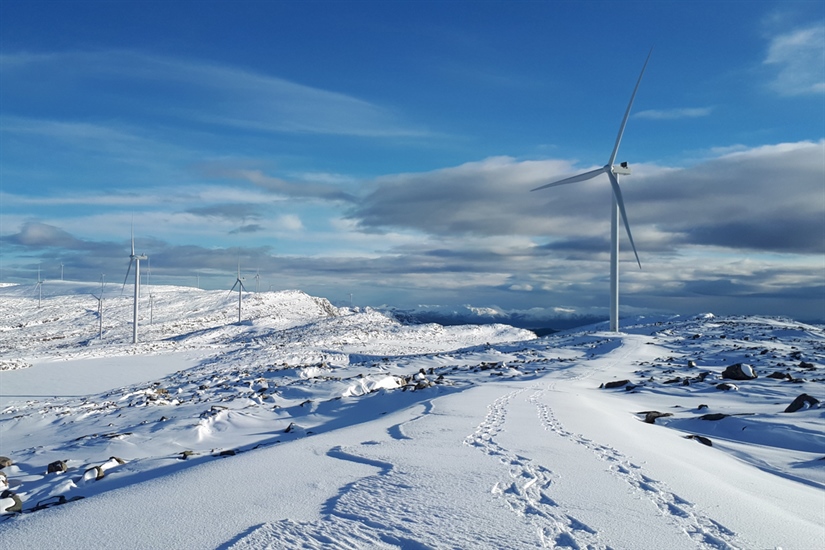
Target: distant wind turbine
[
  {"x": 613, "y": 172},
  {"x": 239, "y": 284},
  {"x": 100, "y": 304},
  {"x": 257, "y": 280},
  {"x": 133, "y": 258},
  {"x": 39, "y": 288}
]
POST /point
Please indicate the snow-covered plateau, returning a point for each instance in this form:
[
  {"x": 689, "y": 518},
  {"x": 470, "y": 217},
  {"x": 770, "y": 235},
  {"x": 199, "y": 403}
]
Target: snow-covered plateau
[{"x": 310, "y": 426}]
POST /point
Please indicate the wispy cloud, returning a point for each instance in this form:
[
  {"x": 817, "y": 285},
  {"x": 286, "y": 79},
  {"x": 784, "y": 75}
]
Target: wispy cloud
[
  {"x": 799, "y": 58},
  {"x": 673, "y": 114},
  {"x": 139, "y": 85}
]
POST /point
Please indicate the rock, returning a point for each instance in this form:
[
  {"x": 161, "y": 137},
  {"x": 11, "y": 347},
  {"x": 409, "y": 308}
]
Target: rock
[
  {"x": 651, "y": 416},
  {"x": 739, "y": 371},
  {"x": 185, "y": 454},
  {"x": 701, "y": 376},
  {"x": 5, "y": 462},
  {"x": 691, "y": 364},
  {"x": 701, "y": 439},
  {"x": 780, "y": 375},
  {"x": 713, "y": 416},
  {"x": 807, "y": 366},
  {"x": 56, "y": 467},
  {"x": 615, "y": 384},
  {"x": 701, "y": 406},
  {"x": 4, "y": 482},
  {"x": 727, "y": 386},
  {"x": 10, "y": 502},
  {"x": 802, "y": 401}
]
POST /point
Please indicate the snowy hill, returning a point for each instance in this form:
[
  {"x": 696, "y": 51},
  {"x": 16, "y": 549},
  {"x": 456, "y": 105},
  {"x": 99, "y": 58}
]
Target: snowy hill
[{"x": 311, "y": 426}]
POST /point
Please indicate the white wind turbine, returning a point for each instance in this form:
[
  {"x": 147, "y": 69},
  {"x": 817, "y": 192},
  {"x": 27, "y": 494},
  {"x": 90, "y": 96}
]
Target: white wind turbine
[
  {"x": 239, "y": 284},
  {"x": 133, "y": 258},
  {"x": 100, "y": 304},
  {"x": 613, "y": 172},
  {"x": 39, "y": 288}
]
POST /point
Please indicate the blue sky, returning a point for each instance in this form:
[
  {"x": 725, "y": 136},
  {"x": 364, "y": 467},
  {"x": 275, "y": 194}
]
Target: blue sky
[{"x": 387, "y": 149}]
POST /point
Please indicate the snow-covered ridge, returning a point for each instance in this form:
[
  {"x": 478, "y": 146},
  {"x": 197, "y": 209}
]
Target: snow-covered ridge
[{"x": 390, "y": 432}]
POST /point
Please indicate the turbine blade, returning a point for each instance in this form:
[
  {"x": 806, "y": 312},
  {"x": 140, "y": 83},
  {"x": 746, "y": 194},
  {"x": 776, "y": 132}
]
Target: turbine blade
[
  {"x": 573, "y": 179},
  {"x": 128, "y": 269},
  {"x": 617, "y": 191},
  {"x": 627, "y": 113},
  {"x": 233, "y": 286}
]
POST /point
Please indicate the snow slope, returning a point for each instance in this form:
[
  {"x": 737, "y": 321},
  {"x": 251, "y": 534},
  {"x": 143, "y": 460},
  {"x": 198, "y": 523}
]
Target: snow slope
[{"x": 310, "y": 426}]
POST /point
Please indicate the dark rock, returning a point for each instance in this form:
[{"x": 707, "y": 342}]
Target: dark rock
[
  {"x": 701, "y": 439},
  {"x": 16, "y": 505},
  {"x": 691, "y": 364},
  {"x": 185, "y": 454},
  {"x": 727, "y": 386},
  {"x": 780, "y": 375},
  {"x": 701, "y": 376},
  {"x": 701, "y": 407},
  {"x": 228, "y": 452},
  {"x": 713, "y": 416},
  {"x": 615, "y": 384},
  {"x": 118, "y": 460},
  {"x": 802, "y": 401},
  {"x": 739, "y": 371},
  {"x": 56, "y": 467},
  {"x": 672, "y": 381},
  {"x": 5, "y": 462},
  {"x": 651, "y": 416},
  {"x": 806, "y": 365}
]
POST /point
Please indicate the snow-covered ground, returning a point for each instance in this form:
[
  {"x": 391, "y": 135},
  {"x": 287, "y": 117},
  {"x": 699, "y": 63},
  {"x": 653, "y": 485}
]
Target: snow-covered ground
[{"x": 310, "y": 426}]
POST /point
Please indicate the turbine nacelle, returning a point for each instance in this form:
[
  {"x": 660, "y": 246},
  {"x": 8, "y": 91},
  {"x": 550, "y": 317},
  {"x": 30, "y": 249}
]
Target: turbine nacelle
[{"x": 621, "y": 170}]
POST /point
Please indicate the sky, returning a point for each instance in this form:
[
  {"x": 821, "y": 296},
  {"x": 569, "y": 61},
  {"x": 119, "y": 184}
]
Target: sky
[{"x": 386, "y": 150}]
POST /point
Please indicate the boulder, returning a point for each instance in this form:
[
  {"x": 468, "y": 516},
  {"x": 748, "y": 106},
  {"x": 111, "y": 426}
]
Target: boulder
[
  {"x": 10, "y": 502},
  {"x": 615, "y": 384},
  {"x": 739, "y": 371},
  {"x": 651, "y": 416},
  {"x": 56, "y": 467},
  {"x": 802, "y": 401},
  {"x": 5, "y": 462},
  {"x": 780, "y": 375},
  {"x": 701, "y": 439},
  {"x": 713, "y": 416},
  {"x": 727, "y": 386}
]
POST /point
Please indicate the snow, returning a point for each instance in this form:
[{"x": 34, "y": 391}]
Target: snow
[{"x": 310, "y": 426}]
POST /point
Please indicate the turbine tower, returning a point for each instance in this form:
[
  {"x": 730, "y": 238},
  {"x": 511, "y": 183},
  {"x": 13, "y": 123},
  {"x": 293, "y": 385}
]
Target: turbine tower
[
  {"x": 133, "y": 258},
  {"x": 613, "y": 172},
  {"x": 239, "y": 284}
]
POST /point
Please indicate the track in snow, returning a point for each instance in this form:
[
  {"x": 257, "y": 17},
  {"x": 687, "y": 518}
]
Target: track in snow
[{"x": 528, "y": 489}]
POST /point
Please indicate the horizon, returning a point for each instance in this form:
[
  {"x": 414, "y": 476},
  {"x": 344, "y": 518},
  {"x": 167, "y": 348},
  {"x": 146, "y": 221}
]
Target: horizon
[{"x": 387, "y": 152}]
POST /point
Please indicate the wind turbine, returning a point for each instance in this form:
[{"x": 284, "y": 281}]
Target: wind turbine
[
  {"x": 151, "y": 298},
  {"x": 39, "y": 287},
  {"x": 239, "y": 284},
  {"x": 257, "y": 280},
  {"x": 133, "y": 258},
  {"x": 100, "y": 304},
  {"x": 613, "y": 172}
]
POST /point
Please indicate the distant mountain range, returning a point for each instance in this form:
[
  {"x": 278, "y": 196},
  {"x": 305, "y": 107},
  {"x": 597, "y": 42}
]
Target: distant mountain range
[{"x": 539, "y": 320}]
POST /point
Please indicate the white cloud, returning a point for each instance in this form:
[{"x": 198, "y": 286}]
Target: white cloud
[
  {"x": 799, "y": 57},
  {"x": 673, "y": 114}
]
